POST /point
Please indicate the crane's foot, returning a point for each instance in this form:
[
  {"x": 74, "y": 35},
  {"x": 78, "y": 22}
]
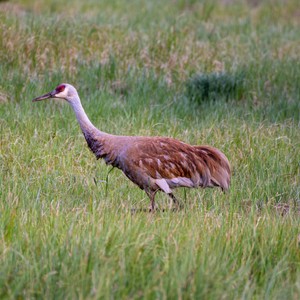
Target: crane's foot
[
  {"x": 156, "y": 209},
  {"x": 153, "y": 209},
  {"x": 178, "y": 207}
]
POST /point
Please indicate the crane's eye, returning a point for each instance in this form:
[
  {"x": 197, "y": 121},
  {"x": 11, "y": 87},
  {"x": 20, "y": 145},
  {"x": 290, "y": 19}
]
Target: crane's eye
[{"x": 60, "y": 88}]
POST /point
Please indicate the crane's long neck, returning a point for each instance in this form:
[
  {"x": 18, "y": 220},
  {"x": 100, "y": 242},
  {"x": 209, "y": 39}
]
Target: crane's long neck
[
  {"x": 83, "y": 120},
  {"x": 98, "y": 141}
]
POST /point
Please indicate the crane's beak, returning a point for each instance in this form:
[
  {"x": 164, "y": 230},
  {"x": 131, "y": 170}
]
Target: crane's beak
[{"x": 43, "y": 97}]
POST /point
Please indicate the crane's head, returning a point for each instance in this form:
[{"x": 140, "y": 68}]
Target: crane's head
[{"x": 63, "y": 91}]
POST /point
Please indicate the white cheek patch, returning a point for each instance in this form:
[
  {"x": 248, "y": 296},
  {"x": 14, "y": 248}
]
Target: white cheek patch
[{"x": 61, "y": 94}]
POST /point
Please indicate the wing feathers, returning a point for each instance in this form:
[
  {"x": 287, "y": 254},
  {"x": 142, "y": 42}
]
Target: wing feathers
[
  {"x": 172, "y": 163},
  {"x": 218, "y": 165},
  {"x": 162, "y": 183}
]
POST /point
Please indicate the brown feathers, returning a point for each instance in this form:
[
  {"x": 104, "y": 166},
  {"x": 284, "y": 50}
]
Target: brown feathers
[
  {"x": 158, "y": 163},
  {"x": 153, "y": 163}
]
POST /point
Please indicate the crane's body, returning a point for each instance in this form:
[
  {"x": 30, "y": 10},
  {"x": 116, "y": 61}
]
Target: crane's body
[{"x": 152, "y": 163}]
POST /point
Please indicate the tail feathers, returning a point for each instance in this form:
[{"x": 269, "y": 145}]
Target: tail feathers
[{"x": 218, "y": 166}]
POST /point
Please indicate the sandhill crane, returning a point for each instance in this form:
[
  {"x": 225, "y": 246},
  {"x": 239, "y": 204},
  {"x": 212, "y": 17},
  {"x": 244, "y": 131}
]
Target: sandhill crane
[{"x": 152, "y": 163}]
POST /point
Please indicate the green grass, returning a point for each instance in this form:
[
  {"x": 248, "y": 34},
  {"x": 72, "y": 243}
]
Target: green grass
[{"x": 66, "y": 232}]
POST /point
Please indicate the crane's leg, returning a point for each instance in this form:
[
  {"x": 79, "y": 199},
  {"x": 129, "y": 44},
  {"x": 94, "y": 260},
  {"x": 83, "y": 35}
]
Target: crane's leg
[
  {"x": 151, "y": 195},
  {"x": 175, "y": 201}
]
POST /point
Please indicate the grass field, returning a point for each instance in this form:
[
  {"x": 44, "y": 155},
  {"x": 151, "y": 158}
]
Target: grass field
[{"x": 66, "y": 226}]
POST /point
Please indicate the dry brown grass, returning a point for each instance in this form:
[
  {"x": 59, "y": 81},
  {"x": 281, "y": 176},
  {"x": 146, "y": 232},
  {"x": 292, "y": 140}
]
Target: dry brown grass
[{"x": 64, "y": 45}]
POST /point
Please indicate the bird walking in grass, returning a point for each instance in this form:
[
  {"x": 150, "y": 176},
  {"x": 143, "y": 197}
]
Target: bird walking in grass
[{"x": 152, "y": 163}]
